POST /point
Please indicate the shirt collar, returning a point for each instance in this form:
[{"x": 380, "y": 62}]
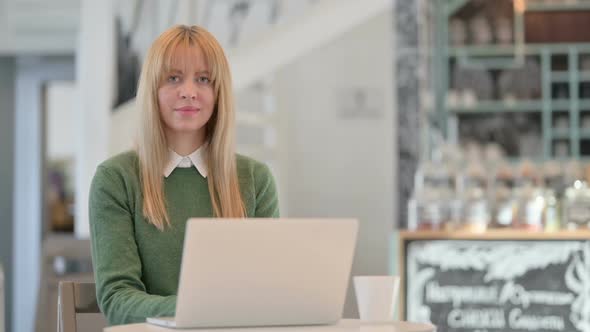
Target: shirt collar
[{"x": 197, "y": 159}]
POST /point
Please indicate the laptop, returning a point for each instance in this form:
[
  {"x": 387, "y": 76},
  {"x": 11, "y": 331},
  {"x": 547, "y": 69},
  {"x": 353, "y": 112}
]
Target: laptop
[{"x": 263, "y": 272}]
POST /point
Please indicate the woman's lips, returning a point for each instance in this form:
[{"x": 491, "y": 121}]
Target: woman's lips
[{"x": 187, "y": 110}]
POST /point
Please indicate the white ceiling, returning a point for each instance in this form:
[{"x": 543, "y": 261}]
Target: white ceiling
[{"x": 38, "y": 26}]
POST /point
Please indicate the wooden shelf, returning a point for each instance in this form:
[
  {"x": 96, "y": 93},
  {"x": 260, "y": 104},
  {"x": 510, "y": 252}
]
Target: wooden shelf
[
  {"x": 563, "y": 6},
  {"x": 499, "y": 106},
  {"x": 563, "y": 76},
  {"x": 560, "y": 76},
  {"x": 560, "y": 105},
  {"x": 560, "y": 134},
  {"x": 493, "y": 50},
  {"x": 495, "y": 234}
]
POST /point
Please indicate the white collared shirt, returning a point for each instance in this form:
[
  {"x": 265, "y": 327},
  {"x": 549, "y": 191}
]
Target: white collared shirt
[{"x": 196, "y": 159}]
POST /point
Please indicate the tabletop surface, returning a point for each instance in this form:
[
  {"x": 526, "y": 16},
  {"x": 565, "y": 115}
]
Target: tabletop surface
[{"x": 345, "y": 325}]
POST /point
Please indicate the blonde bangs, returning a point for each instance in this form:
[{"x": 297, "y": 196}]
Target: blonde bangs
[{"x": 179, "y": 50}]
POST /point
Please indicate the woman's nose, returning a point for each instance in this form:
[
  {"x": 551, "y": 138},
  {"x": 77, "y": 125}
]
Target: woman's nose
[{"x": 188, "y": 91}]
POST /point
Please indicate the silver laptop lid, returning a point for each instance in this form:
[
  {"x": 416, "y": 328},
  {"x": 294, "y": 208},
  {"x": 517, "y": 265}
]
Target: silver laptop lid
[{"x": 261, "y": 272}]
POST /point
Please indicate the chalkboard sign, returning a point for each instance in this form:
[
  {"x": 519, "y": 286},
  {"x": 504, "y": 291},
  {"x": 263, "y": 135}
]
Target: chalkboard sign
[{"x": 486, "y": 286}]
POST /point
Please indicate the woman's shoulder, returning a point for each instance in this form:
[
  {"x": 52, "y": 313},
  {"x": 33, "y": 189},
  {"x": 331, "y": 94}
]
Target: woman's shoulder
[
  {"x": 248, "y": 166},
  {"x": 245, "y": 163},
  {"x": 116, "y": 173},
  {"x": 122, "y": 163}
]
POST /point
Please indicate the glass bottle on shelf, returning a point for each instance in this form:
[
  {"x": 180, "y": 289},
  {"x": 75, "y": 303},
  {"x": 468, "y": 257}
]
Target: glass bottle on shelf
[
  {"x": 480, "y": 30},
  {"x": 429, "y": 211},
  {"x": 531, "y": 198},
  {"x": 504, "y": 202},
  {"x": 576, "y": 206},
  {"x": 458, "y": 32},
  {"x": 476, "y": 211},
  {"x": 553, "y": 179},
  {"x": 500, "y": 184},
  {"x": 576, "y": 197},
  {"x": 532, "y": 209},
  {"x": 571, "y": 172},
  {"x": 551, "y": 216},
  {"x": 430, "y": 207},
  {"x": 503, "y": 30},
  {"x": 452, "y": 158}
]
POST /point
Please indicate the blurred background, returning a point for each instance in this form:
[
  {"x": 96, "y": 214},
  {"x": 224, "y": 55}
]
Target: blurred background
[{"x": 405, "y": 114}]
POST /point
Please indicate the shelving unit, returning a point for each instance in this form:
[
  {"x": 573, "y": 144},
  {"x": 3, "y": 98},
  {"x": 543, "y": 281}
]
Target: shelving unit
[{"x": 564, "y": 87}]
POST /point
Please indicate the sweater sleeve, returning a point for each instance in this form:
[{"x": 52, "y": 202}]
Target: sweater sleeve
[
  {"x": 267, "y": 201},
  {"x": 120, "y": 292}
]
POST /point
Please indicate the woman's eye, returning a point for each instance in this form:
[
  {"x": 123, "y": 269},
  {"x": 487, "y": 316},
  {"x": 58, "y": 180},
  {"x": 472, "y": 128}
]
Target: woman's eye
[
  {"x": 203, "y": 79},
  {"x": 173, "y": 78}
]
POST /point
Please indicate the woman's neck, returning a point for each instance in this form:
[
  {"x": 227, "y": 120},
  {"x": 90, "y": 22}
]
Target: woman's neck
[{"x": 185, "y": 143}]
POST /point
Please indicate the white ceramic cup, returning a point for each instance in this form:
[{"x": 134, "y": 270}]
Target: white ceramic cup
[{"x": 376, "y": 297}]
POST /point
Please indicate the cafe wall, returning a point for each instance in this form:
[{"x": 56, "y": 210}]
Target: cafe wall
[{"x": 339, "y": 117}]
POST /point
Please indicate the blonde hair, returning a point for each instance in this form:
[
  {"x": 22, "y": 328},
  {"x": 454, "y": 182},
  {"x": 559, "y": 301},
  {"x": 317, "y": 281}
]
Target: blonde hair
[{"x": 152, "y": 148}]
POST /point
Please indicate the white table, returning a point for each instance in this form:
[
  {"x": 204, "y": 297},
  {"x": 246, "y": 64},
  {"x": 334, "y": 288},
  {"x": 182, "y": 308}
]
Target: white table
[{"x": 345, "y": 325}]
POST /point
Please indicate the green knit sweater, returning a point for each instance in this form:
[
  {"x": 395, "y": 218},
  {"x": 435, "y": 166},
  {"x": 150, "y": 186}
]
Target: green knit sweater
[{"x": 136, "y": 266}]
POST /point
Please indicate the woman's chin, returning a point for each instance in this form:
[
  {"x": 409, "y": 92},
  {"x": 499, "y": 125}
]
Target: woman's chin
[{"x": 189, "y": 129}]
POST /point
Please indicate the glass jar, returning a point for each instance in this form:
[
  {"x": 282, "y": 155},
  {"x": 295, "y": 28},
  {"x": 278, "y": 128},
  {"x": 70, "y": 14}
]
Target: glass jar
[
  {"x": 430, "y": 211},
  {"x": 532, "y": 208},
  {"x": 554, "y": 186},
  {"x": 504, "y": 202},
  {"x": 528, "y": 175},
  {"x": 576, "y": 206},
  {"x": 551, "y": 216},
  {"x": 435, "y": 188},
  {"x": 553, "y": 177},
  {"x": 476, "y": 210},
  {"x": 476, "y": 214},
  {"x": 506, "y": 209}
]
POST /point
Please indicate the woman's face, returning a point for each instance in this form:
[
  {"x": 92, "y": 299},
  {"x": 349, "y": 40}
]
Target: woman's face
[{"x": 185, "y": 96}]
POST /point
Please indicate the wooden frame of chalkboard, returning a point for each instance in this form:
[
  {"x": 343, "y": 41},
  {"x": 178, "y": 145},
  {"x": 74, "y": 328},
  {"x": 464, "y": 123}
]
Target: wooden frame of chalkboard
[{"x": 500, "y": 280}]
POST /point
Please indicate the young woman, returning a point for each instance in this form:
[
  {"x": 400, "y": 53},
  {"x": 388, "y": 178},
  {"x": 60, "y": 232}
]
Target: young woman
[{"x": 184, "y": 166}]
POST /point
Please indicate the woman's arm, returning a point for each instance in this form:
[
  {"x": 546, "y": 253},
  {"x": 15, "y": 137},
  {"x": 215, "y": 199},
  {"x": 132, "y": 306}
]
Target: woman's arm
[
  {"x": 120, "y": 291},
  {"x": 267, "y": 200}
]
